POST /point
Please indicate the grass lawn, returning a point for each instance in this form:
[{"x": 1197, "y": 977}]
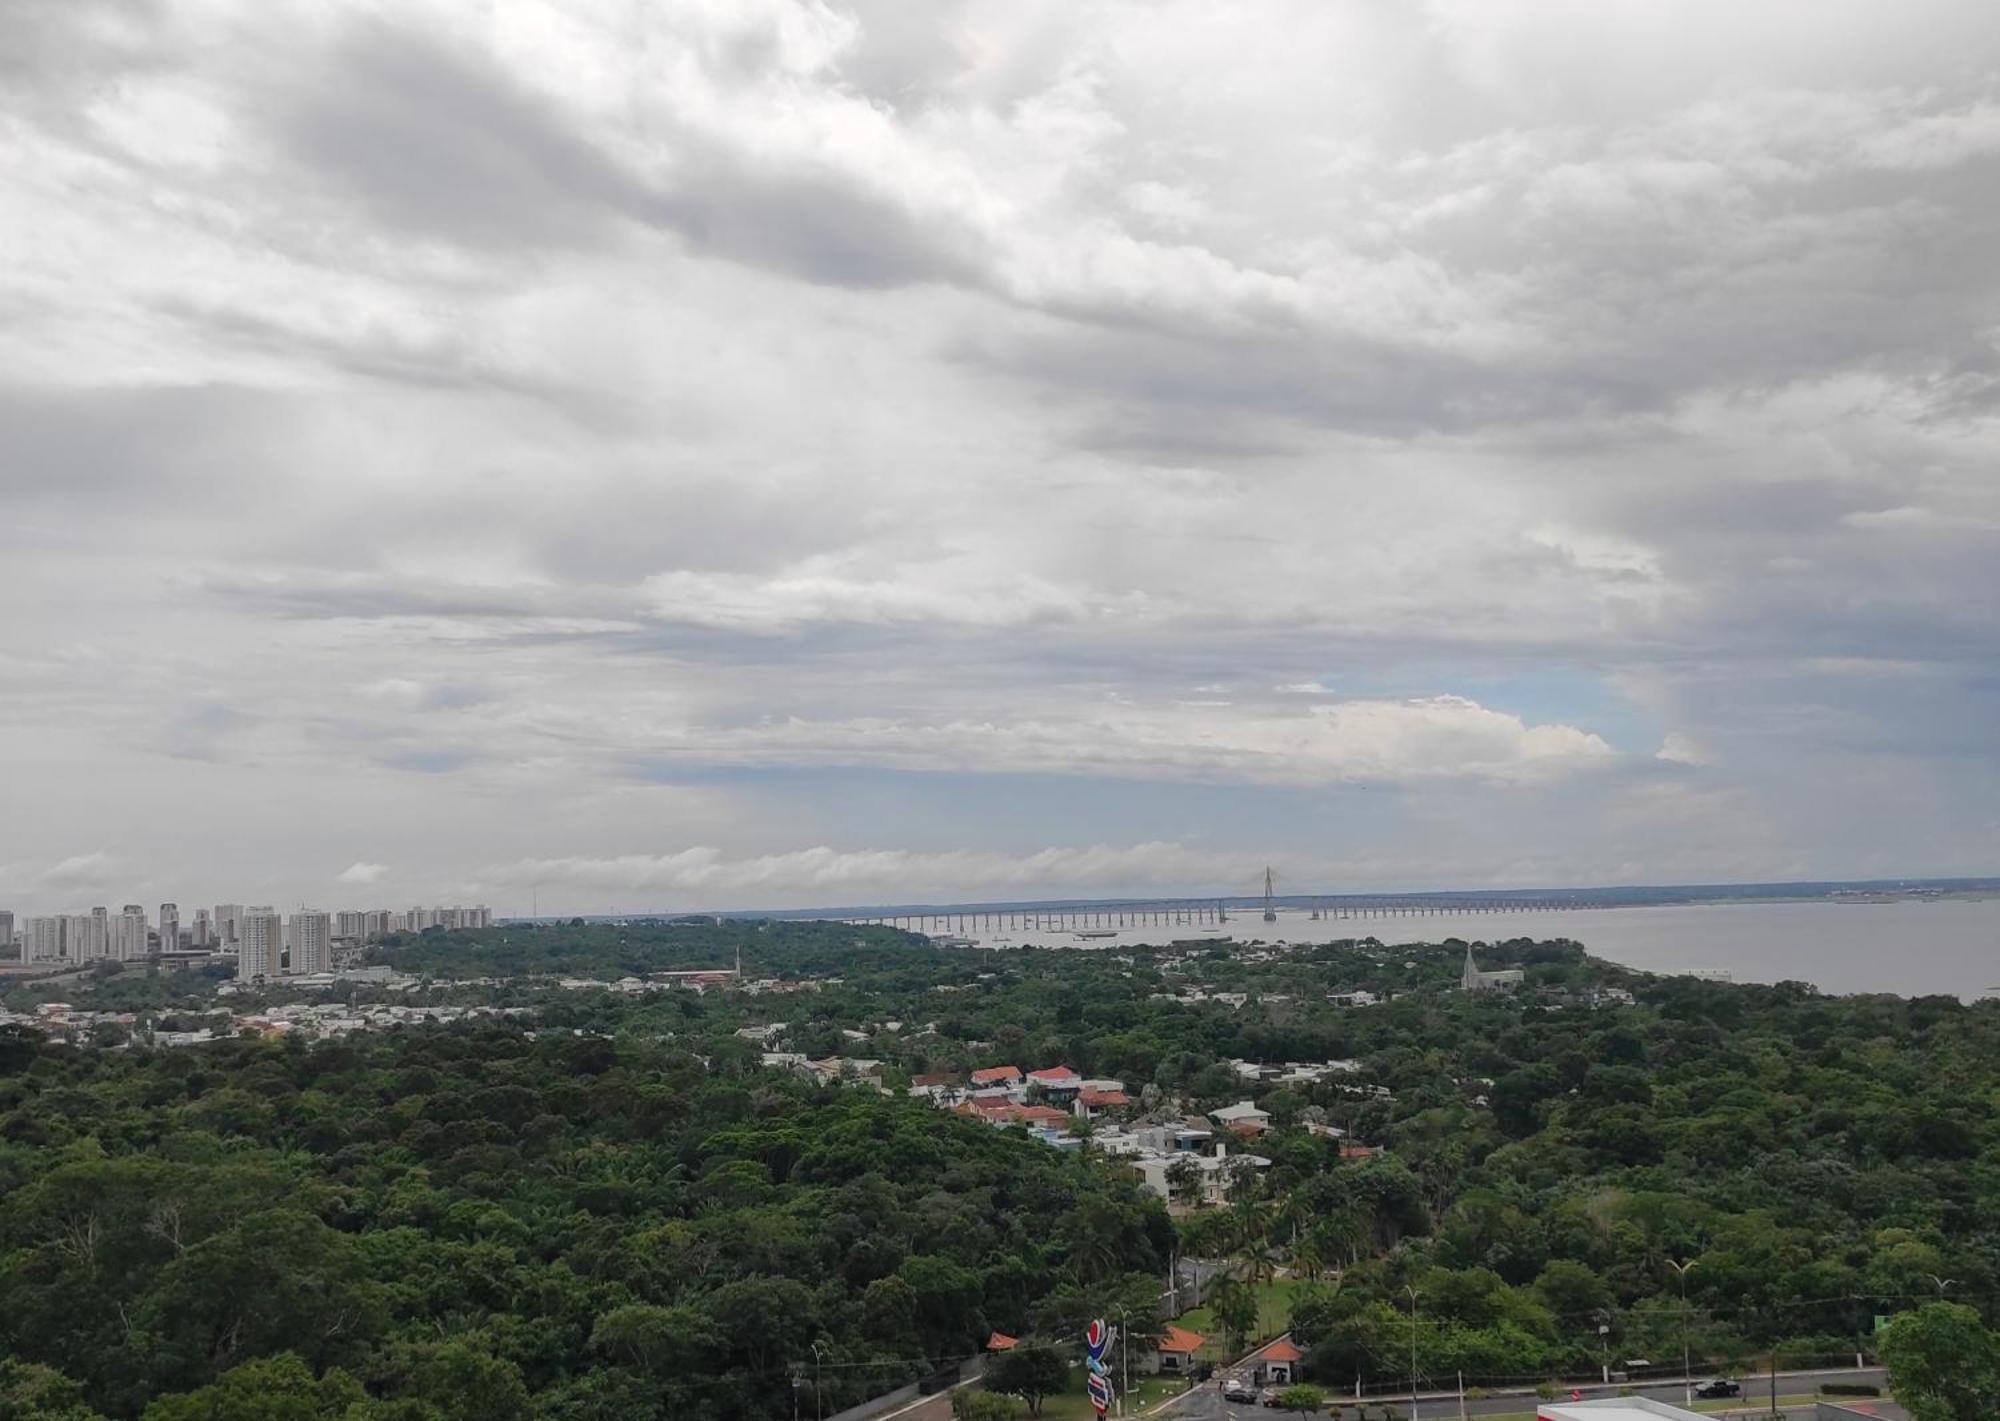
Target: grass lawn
[
  {"x": 1274, "y": 1316},
  {"x": 1074, "y": 1405}
]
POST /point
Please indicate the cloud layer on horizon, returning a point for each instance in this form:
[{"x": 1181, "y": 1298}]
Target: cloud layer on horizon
[{"x": 1455, "y": 443}]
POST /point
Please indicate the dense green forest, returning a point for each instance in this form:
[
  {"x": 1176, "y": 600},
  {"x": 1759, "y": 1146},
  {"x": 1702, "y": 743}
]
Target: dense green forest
[
  {"x": 608, "y": 1206},
  {"x": 588, "y": 1227}
]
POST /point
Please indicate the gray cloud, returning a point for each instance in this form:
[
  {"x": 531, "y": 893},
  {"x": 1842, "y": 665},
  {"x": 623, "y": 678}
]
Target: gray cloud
[
  {"x": 435, "y": 141},
  {"x": 856, "y": 437}
]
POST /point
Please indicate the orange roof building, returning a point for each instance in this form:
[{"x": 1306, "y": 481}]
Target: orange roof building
[
  {"x": 1041, "y": 1115},
  {"x": 1001, "y": 1342},
  {"x": 997, "y": 1075},
  {"x": 1283, "y": 1351},
  {"x": 1180, "y": 1340}
]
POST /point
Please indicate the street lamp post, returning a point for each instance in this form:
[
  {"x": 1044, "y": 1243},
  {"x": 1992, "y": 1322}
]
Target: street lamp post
[
  {"x": 819, "y": 1402},
  {"x": 1687, "y": 1373}
]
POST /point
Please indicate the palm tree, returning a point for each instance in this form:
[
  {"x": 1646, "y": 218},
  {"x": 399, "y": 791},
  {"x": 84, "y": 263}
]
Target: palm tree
[
  {"x": 1307, "y": 1258},
  {"x": 1259, "y": 1260},
  {"x": 1290, "y": 1216},
  {"x": 1233, "y": 1305}
]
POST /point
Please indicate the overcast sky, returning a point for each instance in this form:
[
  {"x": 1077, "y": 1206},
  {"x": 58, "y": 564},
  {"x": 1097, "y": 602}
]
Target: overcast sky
[{"x": 737, "y": 453}]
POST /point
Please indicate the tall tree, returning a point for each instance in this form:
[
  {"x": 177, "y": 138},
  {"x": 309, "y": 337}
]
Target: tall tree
[{"x": 1944, "y": 1363}]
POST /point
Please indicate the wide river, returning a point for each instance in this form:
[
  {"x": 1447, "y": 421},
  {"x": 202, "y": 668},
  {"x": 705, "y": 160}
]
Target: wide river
[{"x": 1913, "y": 947}]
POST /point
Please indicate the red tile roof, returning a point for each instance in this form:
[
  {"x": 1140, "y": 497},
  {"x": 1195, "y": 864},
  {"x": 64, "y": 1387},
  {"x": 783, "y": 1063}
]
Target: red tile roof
[
  {"x": 993, "y": 1074},
  {"x": 1001, "y": 1342},
  {"x": 1104, "y": 1097},
  {"x": 1054, "y": 1075},
  {"x": 1179, "y": 1339},
  {"x": 1283, "y": 1351}
]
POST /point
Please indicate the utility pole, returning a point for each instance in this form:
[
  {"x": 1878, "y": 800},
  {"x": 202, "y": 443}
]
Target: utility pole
[
  {"x": 1124, "y": 1358},
  {"x": 1687, "y": 1376},
  {"x": 819, "y": 1402},
  {"x": 1411, "y": 1289}
]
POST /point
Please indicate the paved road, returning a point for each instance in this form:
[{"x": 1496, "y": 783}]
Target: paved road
[{"x": 1206, "y": 1404}]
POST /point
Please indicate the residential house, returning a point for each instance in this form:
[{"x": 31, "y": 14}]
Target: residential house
[
  {"x": 1175, "y": 1355},
  {"x": 939, "y": 1089},
  {"x": 1188, "y": 1137},
  {"x": 1474, "y": 980},
  {"x": 1058, "y": 1081},
  {"x": 1242, "y": 1118},
  {"x": 1092, "y": 1102},
  {"x": 1214, "y": 1172}
]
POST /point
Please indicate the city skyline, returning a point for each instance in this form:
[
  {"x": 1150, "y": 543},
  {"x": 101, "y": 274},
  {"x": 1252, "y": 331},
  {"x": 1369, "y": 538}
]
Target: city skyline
[
  {"x": 93, "y": 935},
  {"x": 785, "y": 453}
]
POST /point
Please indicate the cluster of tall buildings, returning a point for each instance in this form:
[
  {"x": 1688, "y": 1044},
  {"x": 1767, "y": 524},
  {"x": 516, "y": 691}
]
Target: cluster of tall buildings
[{"x": 263, "y": 942}]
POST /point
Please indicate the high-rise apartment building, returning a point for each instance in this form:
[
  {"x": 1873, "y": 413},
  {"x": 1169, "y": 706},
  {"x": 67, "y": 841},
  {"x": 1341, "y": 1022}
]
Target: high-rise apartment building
[
  {"x": 42, "y": 940},
  {"x": 260, "y": 944},
  {"x": 347, "y": 925},
  {"x": 7, "y": 929},
  {"x": 96, "y": 937},
  {"x": 128, "y": 933},
  {"x": 311, "y": 936},
  {"x": 228, "y": 921},
  {"x": 375, "y": 922},
  {"x": 170, "y": 927},
  {"x": 202, "y": 934}
]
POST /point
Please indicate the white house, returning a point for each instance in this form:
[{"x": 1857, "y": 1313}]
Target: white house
[{"x": 1240, "y": 1115}]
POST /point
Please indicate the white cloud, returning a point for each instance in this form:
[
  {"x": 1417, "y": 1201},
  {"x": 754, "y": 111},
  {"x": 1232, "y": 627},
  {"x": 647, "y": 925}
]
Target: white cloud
[
  {"x": 92, "y": 872},
  {"x": 1442, "y": 737},
  {"x": 825, "y": 874},
  {"x": 361, "y": 873},
  {"x": 1680, "y": 749}
]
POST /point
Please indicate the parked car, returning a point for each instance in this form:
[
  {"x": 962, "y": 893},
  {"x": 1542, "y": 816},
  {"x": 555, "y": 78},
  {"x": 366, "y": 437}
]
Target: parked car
[
  {"x": 1721, "y": 1386},
  {"x": 1269, "y": 1397},
  {"x": 1237, "y": 1389}
]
